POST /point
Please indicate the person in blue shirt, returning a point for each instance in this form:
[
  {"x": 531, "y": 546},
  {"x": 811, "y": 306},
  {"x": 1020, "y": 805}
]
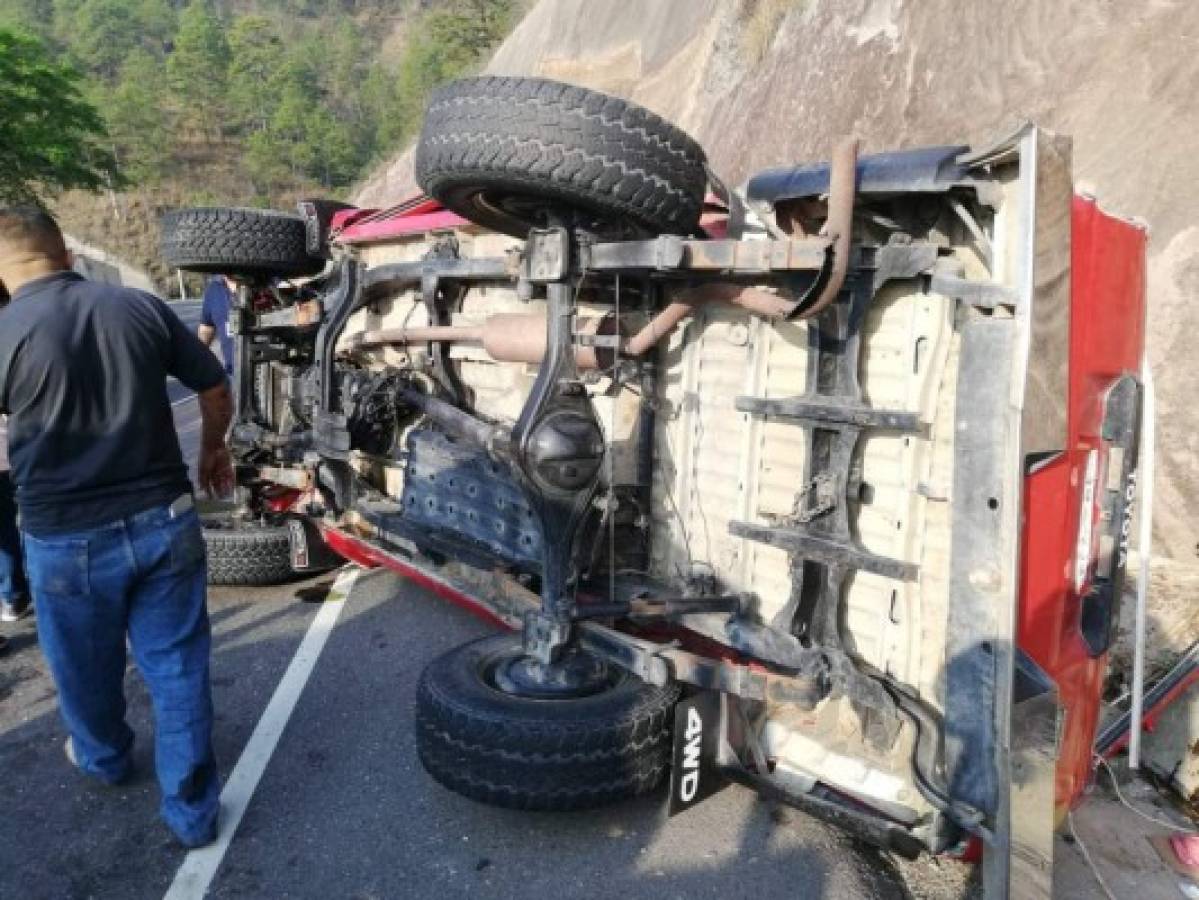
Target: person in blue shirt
[{"x": 214, "y": 317}]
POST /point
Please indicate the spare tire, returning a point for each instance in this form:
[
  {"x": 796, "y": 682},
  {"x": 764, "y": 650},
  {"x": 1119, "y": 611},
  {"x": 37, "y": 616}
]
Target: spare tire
[
  {"x": 505, "y": 152},
  {"x": 245, "y": 553},
  {"x": 234, "y": 241},
  {"x": 535, "y": 753}
]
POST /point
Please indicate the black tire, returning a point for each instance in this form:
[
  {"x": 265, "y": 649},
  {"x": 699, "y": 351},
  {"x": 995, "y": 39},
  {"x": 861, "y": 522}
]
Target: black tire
[
  {"x": 246, "y": 242},
  {"x": 524, "y": 753},
  {"x": 502, "y": 151},
  {"x": 246, "y": 554}
]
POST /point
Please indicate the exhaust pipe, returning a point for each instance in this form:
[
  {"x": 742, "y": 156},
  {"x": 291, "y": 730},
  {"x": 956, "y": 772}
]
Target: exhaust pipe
[{"x": 516, "y": 337}]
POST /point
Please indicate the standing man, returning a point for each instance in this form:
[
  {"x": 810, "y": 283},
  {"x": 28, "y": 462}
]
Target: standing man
[
  {"x": 112, "y": 541},
  {"x": 214, "y": 317},
  {"x": 14, "y": 592}
]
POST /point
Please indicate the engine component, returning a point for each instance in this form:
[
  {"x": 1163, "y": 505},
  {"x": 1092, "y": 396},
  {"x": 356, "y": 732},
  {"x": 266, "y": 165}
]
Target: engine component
[
  {"x": 300, "y": 391},
  {"x": 372, "y": 410},
  {"x": 456, "y": 422},
  {"x": 565, "y": 450}
]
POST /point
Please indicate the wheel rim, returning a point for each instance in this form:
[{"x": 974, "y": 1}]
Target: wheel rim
[
  {"x": 575, "y": 676},
  {"x": 516, "y": 213}
]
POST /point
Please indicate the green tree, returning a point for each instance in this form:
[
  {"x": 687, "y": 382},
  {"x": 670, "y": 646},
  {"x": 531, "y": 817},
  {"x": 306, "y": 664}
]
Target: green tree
[
  {"x": 383, "y": 111},
  {"x": 289, "y": 128},
  {"x": 31, "y": 16},
  {"x": 257, "y": 57},
  {"x": 344, "y": 65},
  {"x": 448, "y": 42},
  {"x": 283, "y": 151},
  {"x": 334, "y": 157},
  {"x": 53, "y": 139},
  {"x": 304, "y": 134},
  {"x": 467, "y": 29},
  {"x": 198, "y": 67},
  {"x": 290, "y": 94},
  {"x": 103, "y": 33},
  {"x": 137, "y": 123},
  {"x": 350, "y": 88},
  {"x": 267, "y": 169},
  {"x": 157, "y": 23}
]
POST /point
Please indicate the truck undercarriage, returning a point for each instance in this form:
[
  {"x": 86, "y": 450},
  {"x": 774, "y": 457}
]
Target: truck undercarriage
[{"x": 749, "y": 469}]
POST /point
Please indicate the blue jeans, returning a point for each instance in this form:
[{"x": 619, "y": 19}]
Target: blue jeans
[
  {"x": 12, "y": 571},
  {"x": 145, "y": 576}
]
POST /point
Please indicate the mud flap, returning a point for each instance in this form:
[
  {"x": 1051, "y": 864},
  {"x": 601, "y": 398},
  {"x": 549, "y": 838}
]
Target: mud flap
[
  {"x": 695, "y": 773},
  {"x": 309, "y": 552}
]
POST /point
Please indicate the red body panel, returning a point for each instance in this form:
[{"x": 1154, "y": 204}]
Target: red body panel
[
  {"x": 363, "y": 226},
  {"x": 417, "y": 214},
  {"x": 1107, "y": 337},
  {"x": 362, "y": 553},
  {"x": 388, "y": 229}
]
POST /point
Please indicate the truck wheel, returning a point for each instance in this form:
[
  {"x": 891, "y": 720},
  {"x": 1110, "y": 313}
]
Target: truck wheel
[
  {"x": 246, "y": 553},
  {"x": 503, "y": 152},
  {"x": 249, "y": 242},
  {"x": 524, "y": 752}
]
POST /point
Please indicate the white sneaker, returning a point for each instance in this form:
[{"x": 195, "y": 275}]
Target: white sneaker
[{"x": 15, "y": 610}]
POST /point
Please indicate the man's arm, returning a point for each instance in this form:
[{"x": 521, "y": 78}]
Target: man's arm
[{"x": 215, "y": 469}]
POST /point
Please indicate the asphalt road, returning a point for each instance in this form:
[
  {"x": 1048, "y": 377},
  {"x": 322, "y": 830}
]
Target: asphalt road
[{"x": 345, "y": 810}]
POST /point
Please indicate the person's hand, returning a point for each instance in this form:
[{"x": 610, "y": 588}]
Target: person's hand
[{"x": 215, "y": 471}]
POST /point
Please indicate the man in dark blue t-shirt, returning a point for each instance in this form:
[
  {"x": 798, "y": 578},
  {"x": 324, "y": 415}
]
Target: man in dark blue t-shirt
[
  {"x": 214, "y": 317},
  {"x": 113, "y": 546}
]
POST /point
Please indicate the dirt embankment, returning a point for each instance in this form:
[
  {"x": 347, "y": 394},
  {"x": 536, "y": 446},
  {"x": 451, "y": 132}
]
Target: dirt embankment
[
  {"x": 99, "y": 265},
  {"x": 768, "y": 82}
]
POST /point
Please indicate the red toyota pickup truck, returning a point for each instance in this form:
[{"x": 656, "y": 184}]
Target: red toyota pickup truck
[{"x": 819, "y": 484}]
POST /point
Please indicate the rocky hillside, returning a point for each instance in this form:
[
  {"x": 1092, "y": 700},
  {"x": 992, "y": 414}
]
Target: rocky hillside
[
  {"x": 766, "y": 82},
  {"x": 245, "y": 102}
]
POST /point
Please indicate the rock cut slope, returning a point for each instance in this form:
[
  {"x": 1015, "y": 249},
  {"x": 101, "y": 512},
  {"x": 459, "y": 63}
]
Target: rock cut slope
[{"x": 769, "y": 82}]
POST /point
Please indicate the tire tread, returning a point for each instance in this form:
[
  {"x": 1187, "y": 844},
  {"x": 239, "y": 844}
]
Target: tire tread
[
  {"x": 505, "y": 753},
  {"x": 237, "y": 241},
  {"x": 566, "y": 143},
  {"x": 248, "y": 556}
]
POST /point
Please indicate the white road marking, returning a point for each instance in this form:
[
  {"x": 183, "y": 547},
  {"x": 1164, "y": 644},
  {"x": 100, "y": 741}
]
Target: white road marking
[
  {"x": 186, "y": 399},
  {"x": 200, "y": 866}
]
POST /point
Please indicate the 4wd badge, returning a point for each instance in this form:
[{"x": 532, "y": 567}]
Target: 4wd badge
[{"x": 694, "y": 775}]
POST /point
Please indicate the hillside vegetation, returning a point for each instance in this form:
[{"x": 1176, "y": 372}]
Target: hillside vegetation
[{"x": 248, "y": 103}]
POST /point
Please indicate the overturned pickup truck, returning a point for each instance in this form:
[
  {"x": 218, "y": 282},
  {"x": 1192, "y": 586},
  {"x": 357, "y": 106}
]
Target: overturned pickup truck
[{"x": 819, "y": 486}]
